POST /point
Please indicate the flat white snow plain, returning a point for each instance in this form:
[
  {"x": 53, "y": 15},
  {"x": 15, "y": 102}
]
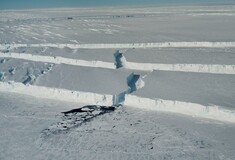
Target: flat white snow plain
[{"x": 118, "y": 83}]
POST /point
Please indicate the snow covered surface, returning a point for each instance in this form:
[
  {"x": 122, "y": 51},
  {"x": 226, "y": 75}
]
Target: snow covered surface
[
  {"x": 171, "y": 69},
  {"x": 95, "y": 80},
  {"x": 223, "y": 56},
  {"x": 127, "y": 133},
  {"x": 119, "y": 25}
]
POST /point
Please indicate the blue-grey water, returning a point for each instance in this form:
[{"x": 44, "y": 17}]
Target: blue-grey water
[{"x": 21, "y": 4}]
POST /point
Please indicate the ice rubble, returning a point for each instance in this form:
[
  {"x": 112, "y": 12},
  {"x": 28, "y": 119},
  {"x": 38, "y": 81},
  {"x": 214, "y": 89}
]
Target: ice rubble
[{"x": 134, "y": 82}]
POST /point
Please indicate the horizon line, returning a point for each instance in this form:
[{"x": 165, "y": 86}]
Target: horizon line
[{"x": 123, "y": 5}]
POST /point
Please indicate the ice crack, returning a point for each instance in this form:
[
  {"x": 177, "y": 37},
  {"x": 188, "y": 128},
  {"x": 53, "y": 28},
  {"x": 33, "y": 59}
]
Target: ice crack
[{"x": 120, "y": 60}]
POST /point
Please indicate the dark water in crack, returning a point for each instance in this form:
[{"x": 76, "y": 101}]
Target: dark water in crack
[{"x": 76, "y": 117}]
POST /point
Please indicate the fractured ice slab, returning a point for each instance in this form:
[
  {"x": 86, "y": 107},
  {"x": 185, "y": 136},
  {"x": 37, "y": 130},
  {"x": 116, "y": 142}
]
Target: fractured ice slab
[{"x": 200, "y": 88}]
